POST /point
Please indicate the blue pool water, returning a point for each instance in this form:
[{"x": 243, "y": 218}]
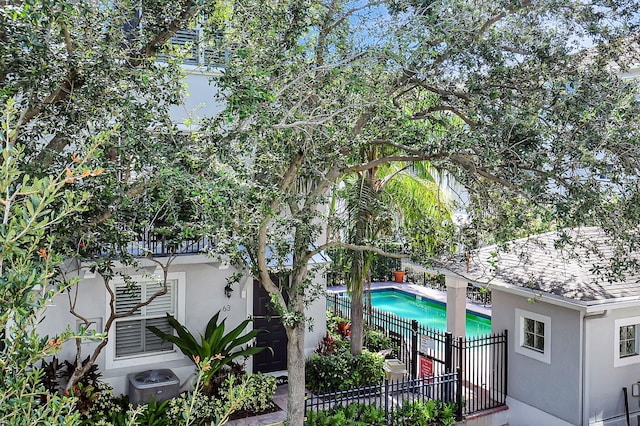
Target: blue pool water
[{"x": 428, "y": 313}]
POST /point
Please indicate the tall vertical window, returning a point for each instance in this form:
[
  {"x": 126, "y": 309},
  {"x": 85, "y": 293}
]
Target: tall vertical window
[
  {"x": 533, "y": 334},
  {"x": 628, "y": 341},
  {"x": 129, "y": 339}
]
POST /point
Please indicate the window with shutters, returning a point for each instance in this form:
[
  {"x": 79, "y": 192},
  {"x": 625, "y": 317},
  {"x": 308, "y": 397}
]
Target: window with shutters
[
  {"x": 129, "y": 338},
  {"x": 197, "y": 48}
]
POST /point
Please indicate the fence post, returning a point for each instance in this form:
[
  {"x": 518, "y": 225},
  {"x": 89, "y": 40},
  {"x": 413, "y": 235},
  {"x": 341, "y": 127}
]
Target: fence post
[
  {"x": 448, "y": 365},
  {"x": 386, "y": 400},
  {"x": 448, "y": 352},
  {"x": 414, "y": 349},
  {"x": 505, "y": 348},
  {"x": 458, "y": 394}
]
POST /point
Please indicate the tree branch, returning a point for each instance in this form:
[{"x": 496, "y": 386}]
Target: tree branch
[
  {"x": 424, "y": 114},
  {"x": 354, "y": 247}
]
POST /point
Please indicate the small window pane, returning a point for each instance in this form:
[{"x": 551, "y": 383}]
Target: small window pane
[
  {"x": 628, "y": 341},
  {"x": 528, "y": 325},
  {"x": 533, "y": 334}
]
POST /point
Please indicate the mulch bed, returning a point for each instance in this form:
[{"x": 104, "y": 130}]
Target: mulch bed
[{"x": 246, "y": 413}]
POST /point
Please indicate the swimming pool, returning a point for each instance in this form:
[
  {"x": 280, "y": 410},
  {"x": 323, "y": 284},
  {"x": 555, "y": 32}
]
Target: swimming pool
[{"x": 427, "y": 312}]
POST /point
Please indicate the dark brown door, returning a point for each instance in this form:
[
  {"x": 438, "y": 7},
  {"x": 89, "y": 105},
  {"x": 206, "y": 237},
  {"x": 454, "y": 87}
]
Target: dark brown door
[{"x": 273, "y": 334}]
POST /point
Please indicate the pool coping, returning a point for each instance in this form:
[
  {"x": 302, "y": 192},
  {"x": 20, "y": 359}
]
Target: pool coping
[{"x": 418, "y": 290}]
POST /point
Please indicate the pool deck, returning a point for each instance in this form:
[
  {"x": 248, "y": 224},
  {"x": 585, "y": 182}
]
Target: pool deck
[{"x": 426, "y": 292}]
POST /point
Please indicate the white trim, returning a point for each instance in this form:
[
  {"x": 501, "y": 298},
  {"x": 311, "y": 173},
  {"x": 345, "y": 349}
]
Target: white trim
[
  {"x": 627, "y": 360},
  {"x": 135, "y": 360},
  {"x": 545, "y": 355}
]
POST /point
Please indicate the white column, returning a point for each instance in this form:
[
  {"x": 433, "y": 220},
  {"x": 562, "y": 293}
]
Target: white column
[{"x": 456, "y": 306}]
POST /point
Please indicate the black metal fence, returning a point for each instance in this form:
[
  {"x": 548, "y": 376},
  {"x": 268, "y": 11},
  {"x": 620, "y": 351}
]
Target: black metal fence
[
  {"x": 482, "y": 361},
  {"x": 391, "y": 395}
]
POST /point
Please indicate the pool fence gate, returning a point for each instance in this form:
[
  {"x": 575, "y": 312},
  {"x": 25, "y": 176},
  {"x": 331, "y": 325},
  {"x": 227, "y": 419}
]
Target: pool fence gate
[{"x": 481, "y": 361}]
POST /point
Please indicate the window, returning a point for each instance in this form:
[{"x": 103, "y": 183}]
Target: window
[
  {"x": 132, "y": 336},
  {"x": 533, "y": 332},
  {"x": 199, "y": 48},
  {"x": 626, "y": 342},
  {"x": 129, "y": 339}
]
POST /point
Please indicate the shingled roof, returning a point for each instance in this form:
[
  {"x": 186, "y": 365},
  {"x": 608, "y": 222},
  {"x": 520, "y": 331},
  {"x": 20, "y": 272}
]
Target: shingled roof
[{"x": 573, "y": 264}]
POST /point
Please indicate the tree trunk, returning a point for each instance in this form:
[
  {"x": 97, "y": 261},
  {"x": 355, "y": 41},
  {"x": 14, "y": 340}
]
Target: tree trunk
[
  {"x": 357, "y": 326},
  {"x": 295, "y": 370}
]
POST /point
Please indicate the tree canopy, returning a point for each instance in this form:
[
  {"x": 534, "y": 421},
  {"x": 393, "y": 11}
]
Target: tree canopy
[{"x": 501, "y": 95}]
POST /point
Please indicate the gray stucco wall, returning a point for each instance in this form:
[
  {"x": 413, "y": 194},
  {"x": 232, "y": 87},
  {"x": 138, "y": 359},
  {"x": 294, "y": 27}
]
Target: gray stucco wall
[
  {"x": 604, "y": 381},
  {"x": 552, "y": 388}
]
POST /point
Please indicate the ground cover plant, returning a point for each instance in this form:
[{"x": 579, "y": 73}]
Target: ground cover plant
[
  {"x": 417, "y": 413},
  {"x": 352, "y": 415}
]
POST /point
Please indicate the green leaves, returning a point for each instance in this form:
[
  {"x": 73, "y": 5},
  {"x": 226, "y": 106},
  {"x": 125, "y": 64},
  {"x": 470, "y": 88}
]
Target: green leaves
[{"x": 216, "y": 346}]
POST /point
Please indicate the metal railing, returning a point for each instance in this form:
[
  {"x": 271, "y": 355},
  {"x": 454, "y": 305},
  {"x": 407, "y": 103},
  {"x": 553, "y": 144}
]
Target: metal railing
[
  {"x": 479, "y": 295},
  {"x": 481, "y": 360},
  {"x": 392, "y": 395},
  {"x": 152, "y": 243}
]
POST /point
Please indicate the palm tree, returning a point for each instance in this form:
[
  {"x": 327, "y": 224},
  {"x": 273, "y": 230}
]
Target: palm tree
[{"x": 399, "y": 201}]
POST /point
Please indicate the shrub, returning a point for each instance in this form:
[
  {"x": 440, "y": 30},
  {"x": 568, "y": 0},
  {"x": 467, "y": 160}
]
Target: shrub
[
  {"x": 105, "y": 407},
  {"x": 377, "y": 340},
  {"x": 343, "y": 371},
  {"x": 424, "y": 413},
  {"x": 260, "y": 391},
  {"x": 352, "y": 414},
  {"x": 201, "y": 408}
]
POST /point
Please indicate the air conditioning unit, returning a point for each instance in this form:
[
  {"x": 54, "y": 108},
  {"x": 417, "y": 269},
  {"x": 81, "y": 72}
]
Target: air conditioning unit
[{"x": 160, "y": 384}]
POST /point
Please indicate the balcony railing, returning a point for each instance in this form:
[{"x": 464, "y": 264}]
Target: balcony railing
[
  {"x": 199, "y": 50},
  {"x": 156, "y": 244}
]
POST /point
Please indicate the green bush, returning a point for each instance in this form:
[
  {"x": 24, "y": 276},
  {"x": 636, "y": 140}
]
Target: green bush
[
  {"x": 343, "y": 371},
  {"x": 200, "y": 406},
  {"x": 260, "y": 388},
  {"x": 352, "y": 415},
  {"x": 424, "y": 413},
  {"x": 216, "y": 346},
  {"x": 377, "y": 340}
]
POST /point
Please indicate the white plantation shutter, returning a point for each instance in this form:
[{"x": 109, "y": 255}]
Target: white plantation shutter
[
  {"x": 127, "y": 297},
  {"x": 187, "y": 39},
  {"x": 131, "y": 334},
  {"x": 161, "y": 304}
]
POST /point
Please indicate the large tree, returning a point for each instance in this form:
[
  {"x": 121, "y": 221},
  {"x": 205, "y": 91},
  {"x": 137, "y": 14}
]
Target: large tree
[
  {"x": 495, "y": 93},
  {"x": 76, "y": 69}
]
